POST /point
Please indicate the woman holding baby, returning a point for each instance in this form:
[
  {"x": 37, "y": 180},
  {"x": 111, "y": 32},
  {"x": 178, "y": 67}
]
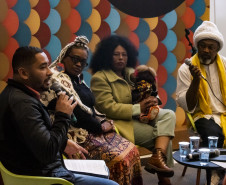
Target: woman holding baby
[{"x": 113, "y": 64}]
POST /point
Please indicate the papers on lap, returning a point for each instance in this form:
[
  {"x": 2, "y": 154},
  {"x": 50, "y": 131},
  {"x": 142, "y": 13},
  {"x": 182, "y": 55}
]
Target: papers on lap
[{"x": 96, "y": 168}]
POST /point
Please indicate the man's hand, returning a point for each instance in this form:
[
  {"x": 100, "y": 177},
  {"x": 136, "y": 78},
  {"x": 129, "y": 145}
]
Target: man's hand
[
  {"x": 195, "y": 72},
  {"x": 74, "y": 151},
  {"x": 147, "y": 103},
  {"x": 64, "y": 104}
]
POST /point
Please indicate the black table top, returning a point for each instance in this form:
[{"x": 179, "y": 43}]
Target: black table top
[{"x": 198, "y": 164}]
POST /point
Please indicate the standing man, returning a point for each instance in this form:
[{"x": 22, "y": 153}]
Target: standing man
[
  {"x": 30, "y": 143},
  {"x": 201, "y": 85}
]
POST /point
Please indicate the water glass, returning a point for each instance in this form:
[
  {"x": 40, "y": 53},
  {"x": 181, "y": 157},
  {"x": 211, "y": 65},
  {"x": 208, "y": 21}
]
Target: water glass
[
  {"x": 194, "y": 143},
  {"x": 184, "y": 149},
  {"x": 212, "y": 142},
  {"x": 204, "y": 155}
]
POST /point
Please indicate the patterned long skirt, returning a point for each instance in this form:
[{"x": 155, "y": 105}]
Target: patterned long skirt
[{"x": 120, "y": 155}]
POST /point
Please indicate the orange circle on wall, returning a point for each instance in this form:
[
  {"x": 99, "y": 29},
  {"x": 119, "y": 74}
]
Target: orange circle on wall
[
  {"x": 161, "y": 75},
  {"x": 11, "y": 3},
  {"x": 186, "y": 44},
  {"x": 133, "y": 37},
  {"x": 189, "y": 2},
  {"x": 163, "y": 96},
  {"x": 132, "y": 22},
  {"x": 11, "y": 47},
  {"x": 188, "y": 17},
  {"x": 185, "y": 41},
  {"x": 74, "y": 21},
  {"x": 11, "y": 22},
  {"x": 9, "y": 52},
  {"x": 73, "y": 36}
]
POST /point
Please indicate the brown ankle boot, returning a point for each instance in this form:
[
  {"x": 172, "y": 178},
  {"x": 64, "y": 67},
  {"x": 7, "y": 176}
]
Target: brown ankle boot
[
  {"x": 157, "y": 164},
  {"x": 163, "y": 180}
]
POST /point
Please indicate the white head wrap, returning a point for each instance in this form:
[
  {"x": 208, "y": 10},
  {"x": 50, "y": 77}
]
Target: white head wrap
[{"x": 208, "y": 30}]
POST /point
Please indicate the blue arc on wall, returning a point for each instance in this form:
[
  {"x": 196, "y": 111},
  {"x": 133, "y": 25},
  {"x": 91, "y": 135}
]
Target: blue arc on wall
[{"x": 146, "y": 8}]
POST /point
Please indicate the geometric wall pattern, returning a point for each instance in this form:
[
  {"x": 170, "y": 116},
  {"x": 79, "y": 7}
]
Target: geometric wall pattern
[{"x": 51, "y": 24}]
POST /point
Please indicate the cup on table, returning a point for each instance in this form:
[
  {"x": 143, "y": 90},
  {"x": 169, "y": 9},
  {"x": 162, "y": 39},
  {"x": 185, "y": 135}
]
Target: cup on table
[
  {"x": 184, "y": 149},
  {"x": 194, "y": 143},
  {"x": 204, "y": 155},
  {"x": 212, "y": 142}
]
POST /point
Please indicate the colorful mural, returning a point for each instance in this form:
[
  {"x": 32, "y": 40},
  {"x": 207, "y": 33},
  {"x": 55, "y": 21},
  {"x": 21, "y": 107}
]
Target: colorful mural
[{"x": 52, "y": 24}]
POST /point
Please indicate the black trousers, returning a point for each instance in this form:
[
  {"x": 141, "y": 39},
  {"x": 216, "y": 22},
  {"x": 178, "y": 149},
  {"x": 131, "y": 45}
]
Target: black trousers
[{"x": 207, "y": 128}]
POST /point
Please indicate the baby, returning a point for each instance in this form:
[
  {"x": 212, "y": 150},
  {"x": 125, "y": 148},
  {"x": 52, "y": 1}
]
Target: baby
[{"x": 144, "y": 79}]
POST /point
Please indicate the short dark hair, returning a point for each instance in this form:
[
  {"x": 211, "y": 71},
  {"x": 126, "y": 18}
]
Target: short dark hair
[
  {"x": 24, "y": 56},
  {"x": 103, "y": 56}
]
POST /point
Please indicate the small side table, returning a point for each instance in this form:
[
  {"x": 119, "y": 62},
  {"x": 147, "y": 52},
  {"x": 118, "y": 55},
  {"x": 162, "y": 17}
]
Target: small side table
[{"x": 197, "y": 164}]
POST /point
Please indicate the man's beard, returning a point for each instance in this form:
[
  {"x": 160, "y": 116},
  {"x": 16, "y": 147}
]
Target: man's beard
[{"x": 205, "y": 62}]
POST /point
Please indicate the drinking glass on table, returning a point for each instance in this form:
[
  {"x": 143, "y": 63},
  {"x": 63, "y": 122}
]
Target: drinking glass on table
[
  {"x": 204, "y": 155},
  {"x": 194, "y": 143},
  {"x": 184, "y": 149},
  {"x": 212, "y": 142}
]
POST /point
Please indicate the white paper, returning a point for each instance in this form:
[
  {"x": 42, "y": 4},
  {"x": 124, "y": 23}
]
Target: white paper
[
  {"x": 222, "y": 164},
  {"x": 87, "y": 166}
]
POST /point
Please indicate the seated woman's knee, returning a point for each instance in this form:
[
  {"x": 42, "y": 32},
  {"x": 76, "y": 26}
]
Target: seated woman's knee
[{"x": 167, "y": 114}]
